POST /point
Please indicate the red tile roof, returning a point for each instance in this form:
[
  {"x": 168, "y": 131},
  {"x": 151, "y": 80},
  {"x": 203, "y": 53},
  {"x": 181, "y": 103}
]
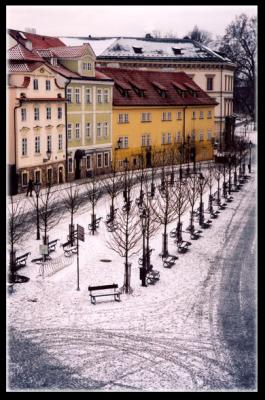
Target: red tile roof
[
  {"x": 152, "y": 97},
  {"x": 19, "y": 52},
  {"x": 38, "y": 41},
  {"x": 64, "y": 71},
  {"x": 23, "y": 67},
  {"x": 71, "y": 51}
]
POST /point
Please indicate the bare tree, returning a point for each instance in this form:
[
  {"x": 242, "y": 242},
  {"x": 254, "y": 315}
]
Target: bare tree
[
  {"x": 217, "y": 175},
  {"x": 193, "y": 193},
  {"x": 181, "y": 200},
  {"x": 112, "y": 186},
  {"x": 125, "y": 239},
  {"x": 49, "y": 212},
  {"x": 164, "y": 211},
  {"x": 72, "y": 202},
  {"x": 17, "y": 230},
  {"x": 93, "y": 194},
  {"x": 239, "y": 44},
  {"x": 200, "y": 35}
]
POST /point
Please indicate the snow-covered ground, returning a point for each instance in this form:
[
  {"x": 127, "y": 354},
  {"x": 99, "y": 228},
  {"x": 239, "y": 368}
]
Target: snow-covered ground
[{"x": 163, "y": 337}]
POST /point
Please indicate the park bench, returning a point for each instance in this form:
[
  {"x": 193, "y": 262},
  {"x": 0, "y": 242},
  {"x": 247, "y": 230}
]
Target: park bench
[
  {"x": 152, "y": 276},
  {"x": 229, "y": 199},
  {"x": 21, "y": 260},
  {"x": 127, "y": 206},
  {"x": 66, "y": 244},
  {"x": 39, "y": 260},
  {"x": 194, "y": 235},
  {"x": 169, "y": 261},
  {"x": 68, "y": 251},
  {"x": 52, "y": 245},
  {"x": 110, "y": 218},
  {"x": 183, "y": 246},
  {"x": 93, "y": 226},
  {"x": 112, "y": 291},
  {"x": 112, "y": 226}
]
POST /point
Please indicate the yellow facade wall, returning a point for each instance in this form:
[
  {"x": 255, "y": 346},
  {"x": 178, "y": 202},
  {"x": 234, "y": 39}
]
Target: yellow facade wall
[{"x": 135, "y": 128}]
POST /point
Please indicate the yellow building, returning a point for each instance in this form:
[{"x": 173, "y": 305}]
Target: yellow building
[{"x": 159, "y": 111}]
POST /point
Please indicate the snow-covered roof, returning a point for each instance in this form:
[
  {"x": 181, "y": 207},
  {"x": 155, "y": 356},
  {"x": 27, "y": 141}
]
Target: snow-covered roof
[{"x": 97, "y": 45}]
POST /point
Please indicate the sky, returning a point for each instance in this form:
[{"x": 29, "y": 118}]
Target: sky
[{"x": 123, "y": 20}]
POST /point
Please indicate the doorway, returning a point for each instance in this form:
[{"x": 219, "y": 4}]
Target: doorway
[{"x": 60, "y": 173}]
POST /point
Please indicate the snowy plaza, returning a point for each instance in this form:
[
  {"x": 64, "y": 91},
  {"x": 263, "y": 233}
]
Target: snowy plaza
[{"x": 193, "y": 330}]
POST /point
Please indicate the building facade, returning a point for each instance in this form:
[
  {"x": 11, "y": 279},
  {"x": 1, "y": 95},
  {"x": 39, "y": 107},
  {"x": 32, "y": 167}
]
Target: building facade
[
  {"x": 156, "y": 111},
  {"x": 36, "y": 115},
  {"x": 211, "y": 70}
]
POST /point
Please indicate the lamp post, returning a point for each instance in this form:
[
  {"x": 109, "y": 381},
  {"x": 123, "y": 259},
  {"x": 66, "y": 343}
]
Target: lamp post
[
  {"x": 201, "y": 216},
  {"x": 229, "y": 176},
  {"x": 188, "y": 147},
  {"x": 125, "y": 192},
  {"x": 249, "y": 162},
  {"x": 37, "y": 191},
  {"x": 144, "y": 269}
]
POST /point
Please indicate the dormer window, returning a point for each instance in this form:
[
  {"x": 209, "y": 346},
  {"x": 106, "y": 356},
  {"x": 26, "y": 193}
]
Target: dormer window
[
  {"x": 87, "y": 66},
  {"x": 138, "y": 50},
  {"x": 176, "y": 51},
  {"x": 54, "y": 61},
  {"x": 161, "y": 90},
  {"x": 123, "y": 88}
]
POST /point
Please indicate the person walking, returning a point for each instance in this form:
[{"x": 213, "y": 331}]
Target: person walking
[{"x": 30, "y": 187}]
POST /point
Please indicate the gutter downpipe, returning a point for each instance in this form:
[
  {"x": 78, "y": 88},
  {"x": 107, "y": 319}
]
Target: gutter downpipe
[
  {"x": 66, "y": 139},
  {"x": 15, "y": 141}
]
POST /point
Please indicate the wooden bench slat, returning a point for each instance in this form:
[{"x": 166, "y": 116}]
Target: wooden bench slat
[{"x": 114, "y": 286}]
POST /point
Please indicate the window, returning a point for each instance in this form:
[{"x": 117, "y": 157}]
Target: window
[
  {"x": 77, "y": 131},
  {"x": 88, "y": 95},
  {"x": 23, "y": 114},
  {"x": 193, "y": 135},
  {"x": 69, "y": 131},
  {"x": 166, "y": 116},
  {"x": 123, "y": 142},
  {"x": 201, "y": 114},
  {"x": 37, "y": 176},
  {"x": 99, "y": 160},
  {"x": 106, "y": 95},
  {"x": 98, "y": 129},
  {"x": 69, "y": 95},
  {"x": 60, "y": 141},
  {"x": 49, "y": 143},
  {"x": 49, "y": 175},
  {"x": 105, "y": 129},
  {"x": 169, "y": 138},
  {"x": 70, "y": 165},
  {"x": 106, "y": 159},
  {"x": 163, "y": 138},
  {"x": 24, "y": 179},
  {"x": 201, "y": 135},
  {"x": 59, "y": 112},
  {"x": 148, "y": 140},
  {"x": 99, "y": 96},
  {"x": 48, "y": 85},
  {"x": 209, "y": 83},
  {"x": 179, "y": 115},
  {"x": 143, "y": 140},
  {"x": 48, "y": 113},
  {"x": 88, "y": 129},
  {"x": 24, "y": 146},
  {"x": 209, "y": 134},
  {"x": 37, "y": 144},
  {"x": 123, "y": 118},
  {"x": 193, "y": 115},
  {"x": 209, "y": 115},
  {"x": 178, "y": 137},
  {"x": 88, "y": 162},
  {"x": 36, "y": 114},
  {"x": 87, "y": 66},
  {"x": 146, "y": 117},
  {"x": 77, "y": 95},
  {"x": 35, "y": 84}
]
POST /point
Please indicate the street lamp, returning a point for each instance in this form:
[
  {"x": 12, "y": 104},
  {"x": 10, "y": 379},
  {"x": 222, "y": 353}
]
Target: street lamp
[
  {"x": 201, "y": 217},
  {"x": 143, "y": 217},
  {"x": 249, "y": 163},
  {"x": 229, "y": 176},
  {"x": 188, "y": 146},
  {"x": 48, "y": 153},
  {"x": 37, "y": 191}
]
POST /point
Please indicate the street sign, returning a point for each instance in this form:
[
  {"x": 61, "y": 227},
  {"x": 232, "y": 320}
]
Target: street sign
[
  {"x": 80, "y": 233},
  {"x": 44, "y": 249}
]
